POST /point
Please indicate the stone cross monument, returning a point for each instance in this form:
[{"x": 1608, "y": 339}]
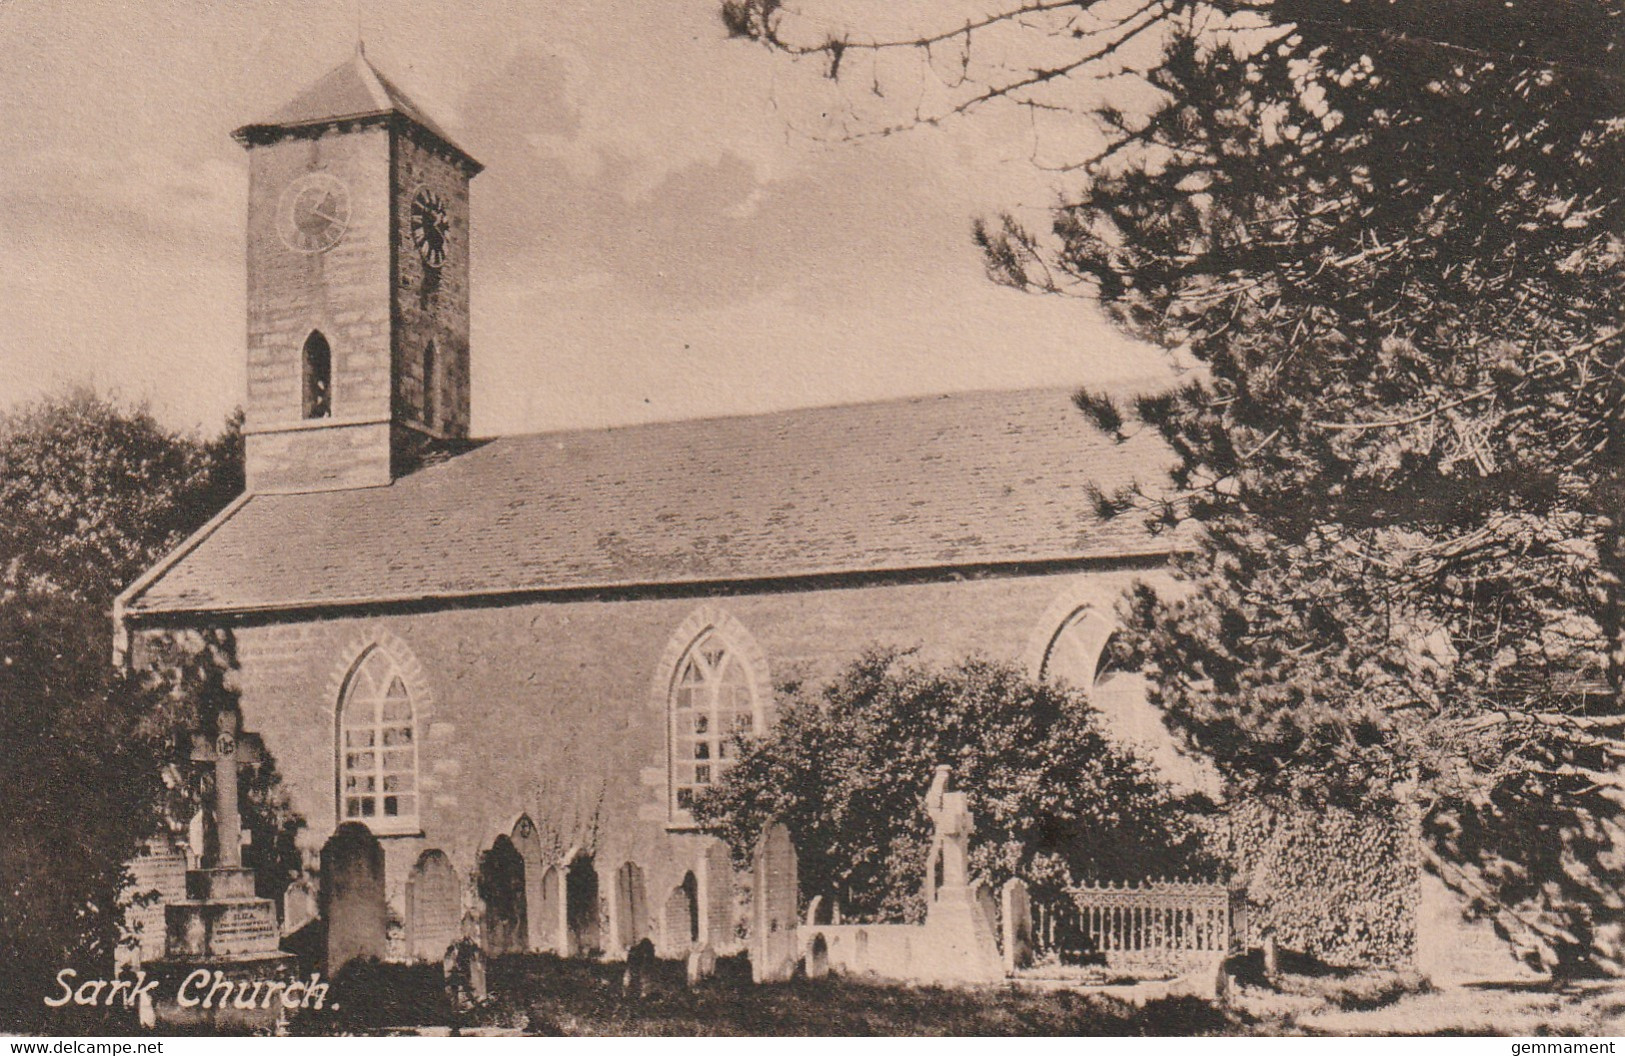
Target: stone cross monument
[
  {"x": 958, "y": 931},
  {"x": 231, "y": 748},
  {"x": 951, "y": 819},
  {"x": 222, "y": 926}
]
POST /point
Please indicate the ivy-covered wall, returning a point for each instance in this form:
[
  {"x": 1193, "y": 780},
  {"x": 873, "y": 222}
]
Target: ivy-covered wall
[{"x": 1341, "y": 886}]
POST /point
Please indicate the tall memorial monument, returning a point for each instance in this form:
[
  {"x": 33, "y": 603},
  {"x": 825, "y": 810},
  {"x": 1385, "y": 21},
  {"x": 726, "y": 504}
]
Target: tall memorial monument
[
  {"x": 958, "y": 928},
  {"x": 222, "y": 928}
]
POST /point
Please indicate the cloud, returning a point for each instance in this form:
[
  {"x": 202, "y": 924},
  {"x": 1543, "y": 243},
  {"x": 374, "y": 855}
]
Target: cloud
[{"x": 677, "y": 233}]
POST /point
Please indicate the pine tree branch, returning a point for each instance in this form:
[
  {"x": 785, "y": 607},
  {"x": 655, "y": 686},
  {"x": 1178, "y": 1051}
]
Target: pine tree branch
[{"x": 1394, "y": 423}]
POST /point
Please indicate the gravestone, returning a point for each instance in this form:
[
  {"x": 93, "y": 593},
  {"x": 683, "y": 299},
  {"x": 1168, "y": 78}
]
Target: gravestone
[
  {"x": 352, "y": 896},
  {"x": 198, "y": 835},
  {"x": 631, "y": 909},
  {"x": 300, "y": 905},
  {"x": 818, "y": 957},
  {"x": 776, "y": 892},
  {"x": 702, "y": 964},
  {"x": 528, "y": 842},
  {"x": 434, "y": 907},
  {"x": 716, "y": 897},
  {"x": 583, "y": 936},
  {"x": 502, "y": 888},
  {"x": 640, "y": 966},
  {"x": 463, "y": 966},
  {"x": 680, "y": 918},
  {"x": 987, "y": 904},
  {"x": 1017, "y": 914},
  {"x": 1272, "y": 955},
  {"x": 545, "y": 918},
  {"x": 157, "y": 878}
]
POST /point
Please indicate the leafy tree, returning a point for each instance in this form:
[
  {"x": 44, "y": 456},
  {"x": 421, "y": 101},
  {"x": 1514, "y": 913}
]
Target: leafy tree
[
  {"x": 95, "y": 758},
  {"x": 1389, "y": 237},
  {"x": 95, "y": 493},
  {"x": 847, "y": 768}
]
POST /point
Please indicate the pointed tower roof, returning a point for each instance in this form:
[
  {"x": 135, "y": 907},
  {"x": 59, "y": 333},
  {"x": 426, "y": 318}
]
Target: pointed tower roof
[{"x": 352, "y": 91}]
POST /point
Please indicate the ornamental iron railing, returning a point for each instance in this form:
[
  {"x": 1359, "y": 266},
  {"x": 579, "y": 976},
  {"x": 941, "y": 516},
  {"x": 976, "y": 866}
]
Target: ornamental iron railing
[{"x": 1164, "y": 924}]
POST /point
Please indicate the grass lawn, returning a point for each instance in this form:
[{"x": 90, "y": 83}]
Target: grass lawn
[{"x": 541, "y": 994}]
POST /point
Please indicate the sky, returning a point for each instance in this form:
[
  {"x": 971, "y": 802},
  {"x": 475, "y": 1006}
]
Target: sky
[{"x": 668, "y": 226}]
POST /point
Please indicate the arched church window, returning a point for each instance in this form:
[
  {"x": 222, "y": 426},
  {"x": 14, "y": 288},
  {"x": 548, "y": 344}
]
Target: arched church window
[
  {"x": 318, "y": 376},
  {"x": 1079, "y": 654},
  {"x": 713, "y": 698},
  {"x": 1076, "y": 648},
  {"x": 431, "y": 383},
  {"x": 378, "y": 755}
]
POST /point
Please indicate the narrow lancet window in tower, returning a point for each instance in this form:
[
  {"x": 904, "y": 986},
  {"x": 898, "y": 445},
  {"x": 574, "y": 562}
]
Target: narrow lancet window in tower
[
  {"x": 318, "y": 377},
  {"x": 430, "y": 385}
]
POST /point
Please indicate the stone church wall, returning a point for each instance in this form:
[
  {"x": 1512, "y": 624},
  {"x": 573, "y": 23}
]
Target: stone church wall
[{"x": 557, "y": 710}]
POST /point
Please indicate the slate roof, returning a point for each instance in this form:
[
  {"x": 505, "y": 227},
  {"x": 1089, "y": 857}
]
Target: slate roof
[
  {"x": 351, "y": 91},
  {"x": 953, "y": 481}
]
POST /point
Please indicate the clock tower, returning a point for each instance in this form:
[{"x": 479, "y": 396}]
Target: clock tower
[{"x": 358, "y": 310}]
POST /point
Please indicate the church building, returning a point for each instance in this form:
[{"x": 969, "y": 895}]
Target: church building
[{"x": 515, "y": 660}]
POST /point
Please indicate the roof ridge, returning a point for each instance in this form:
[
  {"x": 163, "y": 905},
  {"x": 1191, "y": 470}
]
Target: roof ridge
[
  {"x": 855, "y": 405},
  {"x": 373, "y": 81}
]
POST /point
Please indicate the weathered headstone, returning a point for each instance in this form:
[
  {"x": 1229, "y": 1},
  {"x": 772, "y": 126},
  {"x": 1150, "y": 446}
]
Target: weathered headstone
[
  {"x": 817, "y": 957},
  {"x": 776, "y": 894},
  {"x": 502, "y": 887},
  {"x": 157, "y": 878},
  {"x": 1017, "y": 914},
  {"x": 1272, "y": 955},
  {"x": 198, "y": 835},
  {"x": 434, "y": 907},
  {"x": 987, "y": 904},
  {"x": 463, "y": 966},
  {"x": 640, "y": 965},
  {"x": 300, "y": 905},
  {"x": 716, "y": 897},
  {"x": 352, "y": 896},
  {"x": 582, "y": 934},
  {"x": 680, "y": 918},
  {"x": 702, "y": 964},
  {"x": 631, "y": 907}
]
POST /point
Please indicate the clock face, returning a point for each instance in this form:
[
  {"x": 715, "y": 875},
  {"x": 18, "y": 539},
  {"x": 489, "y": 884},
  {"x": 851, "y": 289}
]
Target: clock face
[
  {"x": 429, "y": 227},
  {"x": 314, "y": 213}
]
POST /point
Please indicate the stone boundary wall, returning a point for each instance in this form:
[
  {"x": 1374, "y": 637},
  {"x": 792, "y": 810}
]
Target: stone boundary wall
[{"x": 883, "y": 950}]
